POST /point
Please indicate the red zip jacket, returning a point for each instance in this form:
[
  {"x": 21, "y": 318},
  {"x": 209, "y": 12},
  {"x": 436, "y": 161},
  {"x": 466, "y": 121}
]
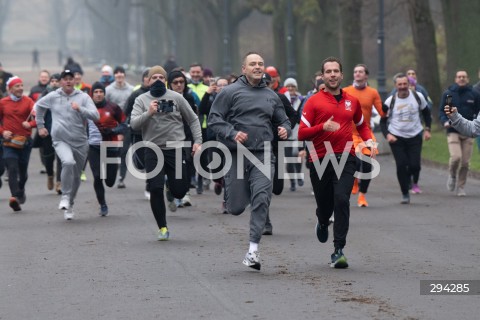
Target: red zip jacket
[
  {"x": 318, "y": 109},
  {"x": 14, "y": 113}
]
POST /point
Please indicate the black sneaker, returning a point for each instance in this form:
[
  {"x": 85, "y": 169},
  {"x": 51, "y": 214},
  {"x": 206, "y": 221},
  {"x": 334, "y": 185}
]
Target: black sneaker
[
  {"x": 405, "y": 199},
  {"x": 268, "y": 231},
  {"x": 339, "y": 260},
  {"x": 218, "y": 188},
  {"x": 14, "y": 204},
  {"x": 322, "y": 232}
]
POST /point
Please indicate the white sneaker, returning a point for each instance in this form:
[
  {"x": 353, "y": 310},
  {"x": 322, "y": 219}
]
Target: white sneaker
[
  {"x": 186, "y": 201},
  {"x": 461, "y": 192},
  {"x": 252, "y": 260},
  {"x": 331, "y": 220},
  {"x": 147, "y": 195},
  {"x": 68, "y": 214},
  {"x": 64, "y": 203}
]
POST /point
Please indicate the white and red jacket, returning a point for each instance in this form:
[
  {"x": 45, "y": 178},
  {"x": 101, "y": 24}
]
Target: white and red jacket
[{"x": 321, "y": 107}]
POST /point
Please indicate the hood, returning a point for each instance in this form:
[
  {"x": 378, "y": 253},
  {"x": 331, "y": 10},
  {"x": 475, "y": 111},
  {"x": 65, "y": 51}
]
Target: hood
[{"x": 177, "y": 74}]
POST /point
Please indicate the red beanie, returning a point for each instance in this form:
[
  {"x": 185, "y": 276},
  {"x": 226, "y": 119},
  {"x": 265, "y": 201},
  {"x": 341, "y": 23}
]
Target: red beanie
[{"x": 13, "y": 81}]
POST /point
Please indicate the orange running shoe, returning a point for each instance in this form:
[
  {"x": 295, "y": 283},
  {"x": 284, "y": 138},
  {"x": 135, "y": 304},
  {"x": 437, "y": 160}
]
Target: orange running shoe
[
  {"x": 355, "y": 186},
  {"x": 362, "y": 202}
]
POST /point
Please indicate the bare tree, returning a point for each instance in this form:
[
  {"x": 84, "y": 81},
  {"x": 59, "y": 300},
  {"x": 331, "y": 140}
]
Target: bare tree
[
  {"x": 423, "y": 31},
  {"x": 462, "y": 36},
  {"x": 110, "y": 24}
]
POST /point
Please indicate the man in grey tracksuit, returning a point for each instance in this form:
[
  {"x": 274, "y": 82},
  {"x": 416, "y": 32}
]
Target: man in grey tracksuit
[
  {"x": 247, "y": 112},
  {"x": 70, "y": 109}
]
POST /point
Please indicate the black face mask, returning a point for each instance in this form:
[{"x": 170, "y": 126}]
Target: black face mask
[{"x": 158, "y": 89}]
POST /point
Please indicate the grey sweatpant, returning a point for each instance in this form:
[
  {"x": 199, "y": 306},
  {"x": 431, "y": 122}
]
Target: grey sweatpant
[
  {"x": 73, "y": 159},
  {"x": 255, "y": 189}
]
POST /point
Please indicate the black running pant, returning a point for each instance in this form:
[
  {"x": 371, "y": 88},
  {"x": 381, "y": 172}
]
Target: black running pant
[
  {"x": 95, "y": 165},
  {"x": 178, "y": 187},
  {"x": 407, "y": 154},
  {"x": 332, "y": 195}
]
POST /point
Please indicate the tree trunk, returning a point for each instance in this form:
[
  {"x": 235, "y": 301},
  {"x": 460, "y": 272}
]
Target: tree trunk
[
  {"x": 462, "y": 36},
  {"x": 319, "y": 41},
  {"x": 110, "y": 23},
  {"x": 423, "y": 31},
  {"x": 351, "y": 52}
]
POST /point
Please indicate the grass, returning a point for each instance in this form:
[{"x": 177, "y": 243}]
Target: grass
[{"x": 436, "y": 149}]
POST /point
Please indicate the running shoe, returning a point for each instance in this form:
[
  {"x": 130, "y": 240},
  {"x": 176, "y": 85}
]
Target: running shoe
[
  {"x": 405, "y": 199},
  {"x": 339, "y": 260},
  {"x": 451, "y": 183},
  {"x": 68, "y": 214},
  {"x": 362, "y": 201},
  {"x": 14, "y": 204},
  {"x": 461, "y": 192},
  {"x": 322, "y": 232},
  {"x": 179, "y": 203},
  {"x": 331, "y": 220},
  {"x": 121, "y": 184},
  {"x": 416, "y": 189},
  {"x": 172, "y": 206},
  {"x": 252, "y": 260},
  {"x": 186, "y": 201},
  {"x": 83, "y": 176},
  {"x": 163, "y": 234},
  {"x": 64, "y": 203},
  {"x": 218, "y": 188},
  {"x": 103, "y": 210},
  {"x": 268, "y": 230}
]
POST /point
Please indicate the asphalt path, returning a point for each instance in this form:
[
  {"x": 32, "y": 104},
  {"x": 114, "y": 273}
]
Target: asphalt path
[{"x": 113, "y": 267}]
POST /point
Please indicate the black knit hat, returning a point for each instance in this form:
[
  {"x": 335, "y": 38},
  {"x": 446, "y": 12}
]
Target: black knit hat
[{"x": 98, "y": 85}]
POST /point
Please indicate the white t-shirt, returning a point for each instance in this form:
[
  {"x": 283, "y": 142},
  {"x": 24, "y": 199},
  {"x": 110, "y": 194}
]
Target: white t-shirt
[{"x": 405, "y": 120}]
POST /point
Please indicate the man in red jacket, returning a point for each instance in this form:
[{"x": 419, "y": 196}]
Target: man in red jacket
[
  {"x": 16, "y": 129},
  {"x": 327, "y": 122}
]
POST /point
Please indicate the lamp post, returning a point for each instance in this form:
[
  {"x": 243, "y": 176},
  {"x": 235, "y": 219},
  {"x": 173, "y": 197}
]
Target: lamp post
[
  {"x": 291, "y": 65},
  {"x": 382, "y": 90},
  {"x": 227, "y": 65}
]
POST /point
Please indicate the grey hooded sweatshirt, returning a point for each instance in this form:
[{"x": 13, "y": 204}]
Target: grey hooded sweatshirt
[
  {"x": 255, "y": 110},
  {"x": 68, "y": 125}
]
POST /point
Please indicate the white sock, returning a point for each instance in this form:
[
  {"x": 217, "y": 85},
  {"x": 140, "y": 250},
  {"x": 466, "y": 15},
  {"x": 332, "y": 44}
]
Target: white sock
[{"x": 253, "y": 247}]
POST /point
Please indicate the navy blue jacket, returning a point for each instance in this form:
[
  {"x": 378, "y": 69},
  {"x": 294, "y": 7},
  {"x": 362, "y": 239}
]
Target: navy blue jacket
[{"x": 465, "y": 99}]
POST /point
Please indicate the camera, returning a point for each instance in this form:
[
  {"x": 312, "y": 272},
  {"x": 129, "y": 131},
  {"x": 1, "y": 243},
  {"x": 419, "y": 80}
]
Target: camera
[
  {"x": 449, "y": 102},
  {"x": 165, "y": 105}
]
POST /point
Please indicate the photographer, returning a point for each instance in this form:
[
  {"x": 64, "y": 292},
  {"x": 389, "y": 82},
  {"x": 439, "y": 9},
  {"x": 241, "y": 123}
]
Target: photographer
[{"x": 159, "y": 114}]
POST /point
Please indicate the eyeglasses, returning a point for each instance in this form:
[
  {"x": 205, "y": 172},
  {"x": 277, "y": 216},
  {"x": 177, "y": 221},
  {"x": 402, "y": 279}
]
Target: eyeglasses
[{"x": 178, "y": 82}]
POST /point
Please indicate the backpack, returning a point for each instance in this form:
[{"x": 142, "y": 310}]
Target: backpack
[{"x": 415, "y": 94}]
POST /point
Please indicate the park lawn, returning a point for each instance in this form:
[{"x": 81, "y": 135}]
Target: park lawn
[{"x": 436, "y": 149}]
